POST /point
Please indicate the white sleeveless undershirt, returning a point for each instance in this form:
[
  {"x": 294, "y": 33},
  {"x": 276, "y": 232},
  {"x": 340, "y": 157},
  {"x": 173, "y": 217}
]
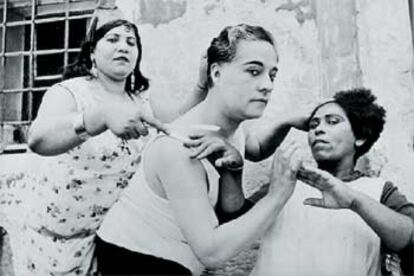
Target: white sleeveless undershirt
[
  {"x": 142, "y": 221},
  {"x": 313, "y": 241}
]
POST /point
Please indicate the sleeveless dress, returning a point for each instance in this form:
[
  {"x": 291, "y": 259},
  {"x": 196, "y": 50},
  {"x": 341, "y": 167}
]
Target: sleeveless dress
[
  {"x": 142, "y": 221},
  {"x": 313, "y": 241},
  {"x": 69, "y": 197}
]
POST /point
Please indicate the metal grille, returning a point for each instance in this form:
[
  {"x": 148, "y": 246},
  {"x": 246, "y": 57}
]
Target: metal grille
[{"x": 37, "y": 40}]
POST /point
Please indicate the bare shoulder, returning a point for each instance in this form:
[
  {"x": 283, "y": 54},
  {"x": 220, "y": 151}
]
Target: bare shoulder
[
  {"x": 57, "y": 100},
  {"x": 165, "y": 149},
  {"x": 170, "y": 159}
]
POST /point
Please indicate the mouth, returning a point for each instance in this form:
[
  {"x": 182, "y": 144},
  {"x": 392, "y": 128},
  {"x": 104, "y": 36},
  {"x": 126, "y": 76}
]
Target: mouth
[
  {"x": 260, "y": 100},
  {"x": 319, "y": 142},
  {"x": 122, "y": 58}
]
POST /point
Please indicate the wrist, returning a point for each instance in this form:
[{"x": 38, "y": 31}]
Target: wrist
[
  {"x": 355, "y": 202},
  {"x": 79, "y": 127}
]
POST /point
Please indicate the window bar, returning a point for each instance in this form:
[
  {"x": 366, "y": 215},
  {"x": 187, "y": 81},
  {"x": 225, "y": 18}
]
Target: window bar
[
  {"x": 46, "y": 20},
  {"x": 3, "y": 77},
  {"x": 31, "y": 60},
  {"x": 66, "y": 41},
  {"x": 25, "y": 90},
  {"x": 40, "y": 52}
]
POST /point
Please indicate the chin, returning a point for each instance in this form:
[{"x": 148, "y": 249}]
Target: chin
[
  {"x": 321, "y": 157},
  {"x": 254, "y": 114}
]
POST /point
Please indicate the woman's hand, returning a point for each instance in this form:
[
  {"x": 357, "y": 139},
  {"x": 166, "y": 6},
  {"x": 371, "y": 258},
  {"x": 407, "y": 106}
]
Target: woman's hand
[
  {"x": 219, "y": 151},
  {"x": 335, "y": 193},
  {"x": 130, "y": 121},
  {"x": 284, "y": 169},
  {"x": 392, "y": 265}
]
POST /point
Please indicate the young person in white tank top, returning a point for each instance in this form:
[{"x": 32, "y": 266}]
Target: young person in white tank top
[{"x": 166, "y": 220}]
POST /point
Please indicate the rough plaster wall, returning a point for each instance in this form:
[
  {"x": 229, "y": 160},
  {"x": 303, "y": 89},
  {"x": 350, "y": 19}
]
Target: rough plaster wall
[
  {"x": 385, "y": 53},
  {"x": 323, "y": 47},
  {"x": 175, "y": 36}
]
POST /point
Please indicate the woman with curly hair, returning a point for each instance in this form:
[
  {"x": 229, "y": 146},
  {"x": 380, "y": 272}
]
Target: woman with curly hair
[{"x": 369, "y": 211}]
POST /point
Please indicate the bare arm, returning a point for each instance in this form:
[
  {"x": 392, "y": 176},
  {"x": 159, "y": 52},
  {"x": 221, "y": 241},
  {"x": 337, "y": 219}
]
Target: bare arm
[
  {"x": 229, "y": 163},
  {"x": 212, "y": 243},
  {"x": 52, "y": 132},
  {"x": 167, "y": 109},
  {"x": 263, "y": 139},
  {"x": 265, "y": 136},
  {"x": 396, "y": 230}
]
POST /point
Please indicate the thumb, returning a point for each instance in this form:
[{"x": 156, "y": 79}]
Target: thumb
[
  {"x": 155, "y": 123},
  {"x": 316, "y": 202}
]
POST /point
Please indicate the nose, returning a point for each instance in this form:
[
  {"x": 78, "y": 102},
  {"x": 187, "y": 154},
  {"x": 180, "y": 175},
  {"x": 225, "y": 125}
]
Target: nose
[
  {"x": 319, "y": 129},
  {"x": 123, "y": 46},
  {"x": 266, "y": 84}
]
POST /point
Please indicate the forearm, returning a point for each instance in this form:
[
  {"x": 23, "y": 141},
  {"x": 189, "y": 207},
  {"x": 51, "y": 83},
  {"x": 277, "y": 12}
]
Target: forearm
[
  {"x": 54, "y": 136},
  {"x": 263, "y": 141},
  {"x": 225, "y": 244},
  {"x": 231, "y": 197},
  {"x": 394, "y": 229}
]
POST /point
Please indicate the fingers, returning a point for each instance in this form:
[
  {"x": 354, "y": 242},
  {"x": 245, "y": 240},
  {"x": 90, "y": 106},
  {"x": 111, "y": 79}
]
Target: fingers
[
  {"x": 314, "y": 177},
  {"x": 154, "y": 123},
  {"x": 289, "y": 154},
  {"x": 192, "y": 143},
  {"x": 141, "y": 128},
  {"x": 229, "y": 162},
  {"x": 316, "y": 202},
  {"x": 206, "y": 149}
]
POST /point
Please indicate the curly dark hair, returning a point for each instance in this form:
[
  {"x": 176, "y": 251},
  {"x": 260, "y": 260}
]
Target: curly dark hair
[
  {"x": 366, "y": 117},
  {"x": 224, "y": 47},
  {"x": 83, "y": 64}
]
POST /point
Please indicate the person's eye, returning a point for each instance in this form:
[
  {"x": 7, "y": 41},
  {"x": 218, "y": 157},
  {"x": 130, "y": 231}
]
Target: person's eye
[
  {"x": 332, "y": 120},
  {"x": 254, "y": 72},
  {"x": 112, "y": 39},
  {"x": 313, "y": 123},
  {"x": 131, "y": 41}
]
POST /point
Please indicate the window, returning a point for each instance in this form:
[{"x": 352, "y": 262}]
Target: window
[{"x": 37, "y": 39}]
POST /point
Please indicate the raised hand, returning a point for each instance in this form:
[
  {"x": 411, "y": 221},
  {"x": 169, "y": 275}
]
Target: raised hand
[
  {"x": 215, "y": 147},
  {"x": 285, "y": 165},
  {"x": 335, "y": 193},
  {"x": 130, "y": 121}
]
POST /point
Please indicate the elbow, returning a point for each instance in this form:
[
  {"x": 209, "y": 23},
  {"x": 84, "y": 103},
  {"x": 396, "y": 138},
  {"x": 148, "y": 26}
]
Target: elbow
[
  {"x": 211, "y": 261},
  {"x": 35, "y": 144},
  {"x": 211, "y": 255}
]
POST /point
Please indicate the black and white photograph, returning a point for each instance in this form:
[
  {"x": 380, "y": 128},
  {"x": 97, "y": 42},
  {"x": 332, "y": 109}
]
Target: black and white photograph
[{"x": 207, "y": 137}]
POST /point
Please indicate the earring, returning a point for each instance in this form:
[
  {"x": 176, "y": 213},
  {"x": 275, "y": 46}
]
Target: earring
[
  {"x": 132, "y": 78},
  {"x": 94, "y": 71},
  {"x": 359, "y": 143}
]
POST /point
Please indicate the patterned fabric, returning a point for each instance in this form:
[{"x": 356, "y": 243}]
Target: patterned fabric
[{"x": 69, "y": 195}]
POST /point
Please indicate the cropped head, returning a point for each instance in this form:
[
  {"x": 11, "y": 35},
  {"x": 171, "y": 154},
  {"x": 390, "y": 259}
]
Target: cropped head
[
  {"x": 115, "y": 49},
  {"x": 347, "y": 125},
  {"x": 242, "y": 64}
]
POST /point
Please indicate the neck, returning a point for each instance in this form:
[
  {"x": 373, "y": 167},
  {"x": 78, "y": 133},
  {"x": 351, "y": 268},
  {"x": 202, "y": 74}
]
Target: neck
[
  {"x": 110, "y": 85},
  {"x": 341, "y": 169},
  {"x": 212, "y": 112}
]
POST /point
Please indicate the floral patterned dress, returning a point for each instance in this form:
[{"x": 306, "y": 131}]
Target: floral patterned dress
[{"x": 69, "y": 197}]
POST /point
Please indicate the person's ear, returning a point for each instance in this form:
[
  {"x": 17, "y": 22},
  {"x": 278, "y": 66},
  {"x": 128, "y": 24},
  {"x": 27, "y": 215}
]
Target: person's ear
[
  {"x": 360, "y": 142},
  {"x": 214, "y": 72}
]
